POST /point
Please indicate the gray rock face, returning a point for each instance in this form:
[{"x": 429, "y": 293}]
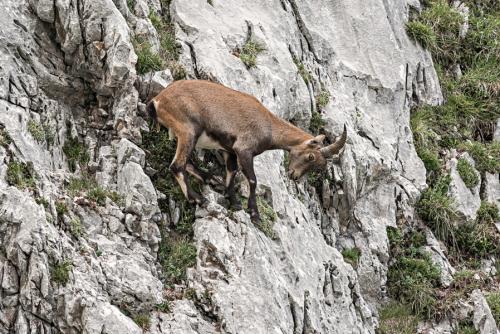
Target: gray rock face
[
  {"x": 467, "y": 200},
  {"x": 483, "y": 319},
  {"x": 71, "y": 66}
]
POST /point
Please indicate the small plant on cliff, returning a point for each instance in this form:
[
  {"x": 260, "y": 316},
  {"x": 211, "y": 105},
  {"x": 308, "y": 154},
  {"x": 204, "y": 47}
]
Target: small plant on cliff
[
  {"x": 61, "y": 208},
  {"x": 37, "y": 130},
  {"x": 21, "y": 175},
  {"x": 147, "y": 60},
  {"x": 268, "y": 217},
  {"x": 396, "y": 318},
  {"x": 76, "y": 153},
  {"x": 412, "y": 276},
  {"x": 467, "y": 173},
  {"x": 249, "y": 53},
  {"x": 322, "y": 99},
  {"x": 143, "y": 320},
  {"x": 176, "y": 255},
  {"x": 304, "y": 73},
  {"x": 317, "y": 123},
  {"x": 487, "y": 213},
  {"x": 422, "y": 33},
  {"x": 486, "y": 156},
  {"x": 438, "y": 209},
  {"x": 351, "y": 255},
  {"x": 5, "y": 139},
  {"x": 493, "y": 300},
  {"x": 59, "y": 273}
]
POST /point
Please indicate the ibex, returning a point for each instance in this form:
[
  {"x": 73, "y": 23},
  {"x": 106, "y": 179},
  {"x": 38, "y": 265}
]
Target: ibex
[{"x": 207, "y": 115}]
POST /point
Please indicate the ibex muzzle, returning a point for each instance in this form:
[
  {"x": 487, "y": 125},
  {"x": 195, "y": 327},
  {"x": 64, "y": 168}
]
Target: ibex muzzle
[{"x": 207, "y": 115}]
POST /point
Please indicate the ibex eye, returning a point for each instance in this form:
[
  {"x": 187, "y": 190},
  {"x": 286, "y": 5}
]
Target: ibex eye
[{"x": 311, "y": 157}]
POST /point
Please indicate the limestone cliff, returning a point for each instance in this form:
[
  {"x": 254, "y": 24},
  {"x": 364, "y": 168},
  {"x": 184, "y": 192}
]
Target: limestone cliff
[{"x": 68, "y": 71}]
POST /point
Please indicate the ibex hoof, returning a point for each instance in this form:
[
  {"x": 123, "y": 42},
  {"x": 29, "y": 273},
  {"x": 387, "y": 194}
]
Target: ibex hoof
[{"x": 255, "y": 217}]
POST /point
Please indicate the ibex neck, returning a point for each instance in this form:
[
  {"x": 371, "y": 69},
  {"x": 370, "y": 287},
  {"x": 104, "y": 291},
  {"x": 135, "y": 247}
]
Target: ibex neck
[{"x": 285, "y": 135}]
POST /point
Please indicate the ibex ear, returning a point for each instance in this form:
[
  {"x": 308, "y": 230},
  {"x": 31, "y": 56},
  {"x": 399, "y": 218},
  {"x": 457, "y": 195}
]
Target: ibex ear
[{"x": 316, "y": 142}]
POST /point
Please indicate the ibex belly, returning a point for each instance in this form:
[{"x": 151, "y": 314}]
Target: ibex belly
[{"x": 208, "y": 143}]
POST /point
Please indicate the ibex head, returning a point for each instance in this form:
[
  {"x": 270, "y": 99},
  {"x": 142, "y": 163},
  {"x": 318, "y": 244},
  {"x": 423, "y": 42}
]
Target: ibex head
[{"x": 311, "y": 155}]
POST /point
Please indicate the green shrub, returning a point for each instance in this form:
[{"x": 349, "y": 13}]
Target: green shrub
[
  {"x": 21, "y": 175},
  {"x": 351, "y": 255},
  {"x": 317, "y": 123},
  {"x": 42, "y": 201},
  {"x": 396, "y": 318},
  {"x": 175, "y": 256},
  {"x": 61, "y": 208},
  {"x": 487, "y": 213},
  {"x": 493, "y": 299},
  {"x": 412, "y": 276},
  {"x": 411, "y": 280},
  {"x": 304, "y": 73},
  {"x": 87, "y": 187},
  {"x": 486, "y": 156},
  {"x": 147, "y": 60},
  {"x": 322, "y": 99},
  {"x": 59, "y": 273},
  {"x": 37, "y": 130},
  {"x": 421, "y": 33},
  {"x": 130, "y": 5},
  {"x": 143, "y": 320},
  {"x": 97, "y": 195},
  {"x": 476, "y": 240},
  {"x": 430, "y": 159},
  {"x": 438, "y": 209},
  {"x": 76, "y": 228},
  {"x": 5, "y": 139},
  {"x": 268, "y": 217},
  {"x": 482, "y": 38},
  {"x": 164, "y": 307},
  {"x": 467, "y": 329},
  {"x": 249, "y": 53},
  {"x": 467, "y": 173},
  {"x": 76, "y": 153}
]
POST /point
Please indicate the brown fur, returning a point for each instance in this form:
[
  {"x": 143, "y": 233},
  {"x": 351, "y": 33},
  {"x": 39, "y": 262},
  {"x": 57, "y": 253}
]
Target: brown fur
[{"x": 239, "y": 124}]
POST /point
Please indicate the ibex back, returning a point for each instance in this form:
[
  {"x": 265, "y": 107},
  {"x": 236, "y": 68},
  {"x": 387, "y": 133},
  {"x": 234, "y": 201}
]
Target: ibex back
[{"x": 207, "y": 115}]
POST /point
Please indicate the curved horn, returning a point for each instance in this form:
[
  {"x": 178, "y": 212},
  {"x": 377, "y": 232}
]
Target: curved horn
[{"x": 335, "y": 148}]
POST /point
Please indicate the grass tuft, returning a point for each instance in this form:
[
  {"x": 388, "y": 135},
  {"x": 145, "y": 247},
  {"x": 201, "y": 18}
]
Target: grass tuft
[
  {"x": 143, "y": 320},
  {"x": 317, "y": 123},
  {"x": 59, "y": 273},
  {"x": 396, "y": 318},
  {"x": 322, "y": 99},
  {"x": 486, "y": 156},
  {"x": 412, "y": 276},
  {"x": 493, "y": 300},
  {"x": 175, "y": 256},
  {"x": 438, "y": 209},
  {"x": 37, "y": 130},
  {"x": 76, "y": 153},
  {"x": 304, "y": 73},
  {"x": 5, "y": 139},
  {"x": 21, "y": 175},
  {"x": 147, "y": 60},
  {"x": 351, "y": 255},
  {"x": 487, "y": 213},
  {"x": 249, "y": 53},
  {"x": 467, "y": 173},
  {"x": 421, "y": 33},
  {"x": 268, "y": 217}
]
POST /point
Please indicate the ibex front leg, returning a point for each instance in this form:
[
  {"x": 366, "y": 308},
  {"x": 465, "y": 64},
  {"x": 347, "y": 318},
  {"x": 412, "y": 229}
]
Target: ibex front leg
[
  {"x": 185, "y": 146},
  {"x": 245, "y": 159}
]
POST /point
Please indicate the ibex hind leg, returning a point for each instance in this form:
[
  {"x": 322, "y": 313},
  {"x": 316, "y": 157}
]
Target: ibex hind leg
[
  {"x": 231, "y": 170},
  {"x": 185, "y": 146}
]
